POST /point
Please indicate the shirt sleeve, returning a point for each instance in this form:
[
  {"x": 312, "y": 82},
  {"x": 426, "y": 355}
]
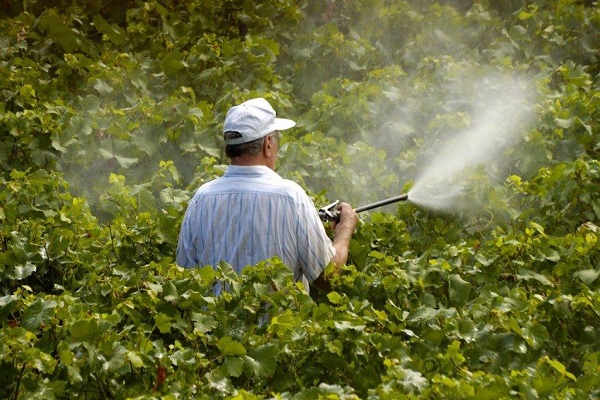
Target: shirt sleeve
[
  {"x": 315, "y": 249},
  {"x": 185, "y": 256}
]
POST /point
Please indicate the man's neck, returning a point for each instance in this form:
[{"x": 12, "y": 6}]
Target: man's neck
[{"x": 246, "y": 161}]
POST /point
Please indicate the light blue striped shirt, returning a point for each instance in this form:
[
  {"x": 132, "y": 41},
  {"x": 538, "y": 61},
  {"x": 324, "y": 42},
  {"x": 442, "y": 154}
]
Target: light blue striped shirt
[{"x": 251, "y": 214}]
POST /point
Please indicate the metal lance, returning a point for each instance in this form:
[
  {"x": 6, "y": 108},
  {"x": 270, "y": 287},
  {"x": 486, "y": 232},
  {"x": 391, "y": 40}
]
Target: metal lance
[{"x": 329, "y": 213}]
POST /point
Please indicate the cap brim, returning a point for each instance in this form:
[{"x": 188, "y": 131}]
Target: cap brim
[{"x": 282, "y": 124}]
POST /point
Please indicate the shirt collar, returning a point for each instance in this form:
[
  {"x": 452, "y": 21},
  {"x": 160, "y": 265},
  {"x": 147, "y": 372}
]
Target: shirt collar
[{"x": 251, "y": 171}]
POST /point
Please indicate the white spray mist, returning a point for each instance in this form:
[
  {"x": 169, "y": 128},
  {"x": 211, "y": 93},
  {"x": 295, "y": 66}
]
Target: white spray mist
[{"x": 502, "y": 110}]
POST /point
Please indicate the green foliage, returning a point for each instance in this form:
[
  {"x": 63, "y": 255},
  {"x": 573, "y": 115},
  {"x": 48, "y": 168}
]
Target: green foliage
[{"x": 110, "y": 115}]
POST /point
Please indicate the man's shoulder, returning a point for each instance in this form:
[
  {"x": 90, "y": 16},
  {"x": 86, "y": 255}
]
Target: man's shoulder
[
  {"x": 279, "y": 186},
  {"x": 269, "y": 184},
  {"x": 291, "y": 185}
]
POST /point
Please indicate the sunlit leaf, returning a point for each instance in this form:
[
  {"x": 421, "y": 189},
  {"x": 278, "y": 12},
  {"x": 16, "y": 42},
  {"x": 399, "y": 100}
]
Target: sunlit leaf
[
  {"x": 230, "y": 347},
  {"x": 587, "y": 276}
]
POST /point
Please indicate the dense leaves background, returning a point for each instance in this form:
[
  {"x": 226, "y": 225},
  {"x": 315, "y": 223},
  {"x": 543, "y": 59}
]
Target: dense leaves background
[{"x": 109, "y": 117}]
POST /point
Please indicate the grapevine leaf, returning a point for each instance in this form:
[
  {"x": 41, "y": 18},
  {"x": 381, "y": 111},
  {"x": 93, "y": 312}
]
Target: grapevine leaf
[
  {"x": 459, "y": 289},
  {"x": 21, "y": 272},
  {"x": 163, "y": 322},
  {"x": 230, "y": 347},
  {"x": 233, "y": 366},
  {"x": 263, "y": 360},
  {"x": 172, "y": 64},
  {"x": 38, "y": 313},
  {"x": 112, "y": 31},
  {"x": 526, "y": 275},
  {"x": 587, "y": 276},
  {"x": 346, "y": 325},
  {"x": 88, "y": 330},
  {"x": 203, "y": 323},
  {"x": 116, "y": 361}
]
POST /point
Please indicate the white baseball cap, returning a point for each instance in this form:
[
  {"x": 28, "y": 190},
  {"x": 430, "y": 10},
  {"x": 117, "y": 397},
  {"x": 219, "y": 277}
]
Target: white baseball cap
[{"x": 253, "y": 119}]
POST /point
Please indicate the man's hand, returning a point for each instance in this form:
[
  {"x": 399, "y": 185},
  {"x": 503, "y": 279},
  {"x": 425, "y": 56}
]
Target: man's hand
[{"x": 348, "y": 219}]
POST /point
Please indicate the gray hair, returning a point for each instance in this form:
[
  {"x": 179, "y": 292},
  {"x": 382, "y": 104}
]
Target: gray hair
[{"x": 251, "y": 148}]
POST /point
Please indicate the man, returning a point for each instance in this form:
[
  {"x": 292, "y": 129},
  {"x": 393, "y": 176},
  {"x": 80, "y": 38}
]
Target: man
[{"x": 251, "y": 214}]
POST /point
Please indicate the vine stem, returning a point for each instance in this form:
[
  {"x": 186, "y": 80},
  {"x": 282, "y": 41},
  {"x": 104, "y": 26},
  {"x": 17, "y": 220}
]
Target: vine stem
[
  {"x": 112, "y": 241},
  {"x": 16, "y": 393}
]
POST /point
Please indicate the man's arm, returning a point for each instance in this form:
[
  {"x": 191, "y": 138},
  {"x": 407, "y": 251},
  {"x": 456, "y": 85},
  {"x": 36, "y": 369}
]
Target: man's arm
[{"x": 343, "y": 231}]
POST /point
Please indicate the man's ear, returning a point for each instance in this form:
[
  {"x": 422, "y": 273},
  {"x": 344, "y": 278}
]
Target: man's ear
[{"x": 268, "y": 145}]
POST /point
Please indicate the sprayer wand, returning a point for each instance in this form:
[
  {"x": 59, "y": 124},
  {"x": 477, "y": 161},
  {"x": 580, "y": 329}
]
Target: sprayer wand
[{"x": 329, "y": 213}]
